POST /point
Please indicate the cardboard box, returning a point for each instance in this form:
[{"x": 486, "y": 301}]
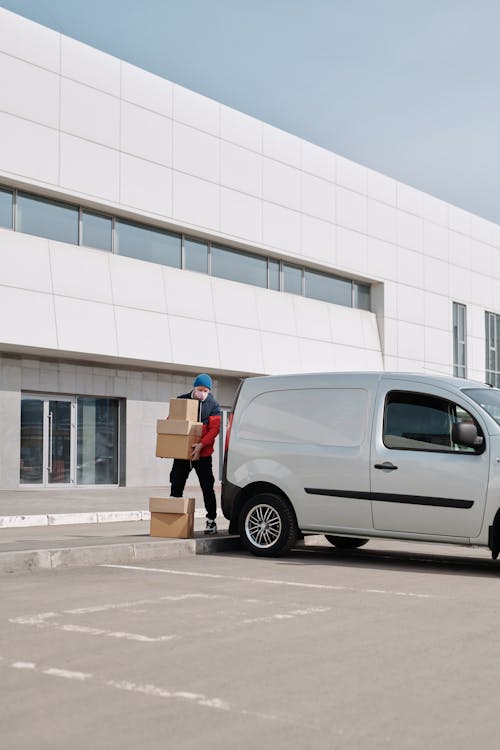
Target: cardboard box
[
  {"x": 184, "y": 408},
  {"x": 174, "y": 525},
  {"x": 175, "y": 446},
  {"x": 178, "y": 427},
  {"x": 172, "y": 504}
]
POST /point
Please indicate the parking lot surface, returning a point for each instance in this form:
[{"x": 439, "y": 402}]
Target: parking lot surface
[{"x": 391, "y": 646}]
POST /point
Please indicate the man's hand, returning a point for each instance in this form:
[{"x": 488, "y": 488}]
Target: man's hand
[{"x": 196, "y": 451}]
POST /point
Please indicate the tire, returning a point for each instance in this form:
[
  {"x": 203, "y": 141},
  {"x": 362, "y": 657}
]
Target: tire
[
  {"x": 345, "y": 542},
  {"x": 267, "y": 525}
]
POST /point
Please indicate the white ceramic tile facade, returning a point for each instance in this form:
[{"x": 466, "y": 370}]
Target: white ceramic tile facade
[
  {"x": 137, "y": 284},
  {"x": 188, "y": 294},
  {"x": 460, "y": 249},
  {"x": 438, "y": 311},
  {"x": 195, "y": 202},
  {"x": 281, "y": 228},
  {"x": 435, "y": 240},
  {"x": 142, "y": 334},
  {"x": 411, "y": 341},
  {"x": 311, "y": 319},
  {"x": 381, "y": 221},
  {"x": 28, "y": 149},
  {"x": 240, "y": 129},
  {"x": 280, "y": 354},
  {"x": 281, "y": 184},
  {"x": 146, "y": 134},
  {"x": 381, "y": 187},
  {"x": 91, "y": 66},
  {"x": 460, "y": 284},
  {"x": 351, "y": 175},
  {"x": 346, "y": 326},
  {"x": 318, "y": 161},
  {"x": 316, "y": 356},
  {"x": 235, "y": 304},
  {"x": 436, "y": 275},
  {"x": 25, "y": 262},
  {"x": 351, "y": 251},
  {"x": 240, "y": 349},
  {"x": 409, "y": 199},
  {"x": 240, "y": 215},
  {"x": 240, "y": 169},
  {"x": 410, "y": 304},
  {"x": 30, "y": 41},
  {"x": 410, "y": 267},
  {"x": 29, "y": 91},
  {"x": 146, "y": 89},
  {"x": 481, "y": 288},
  {"x": 27, "y": 317},
  {"x": 145, "y": 185},
  {"x": 196, "y": 153},
  {"x": 196, "y": 110},
  {"x": 318, "y": 197},
  {"x": 275, "y": 312},
  {"x": 80, "y": 272},
  {"x": 459, "y": 220},
  {"x": 381, "y": 259},
  {"x": 434, "y": 209},
  {"x": 89, "y": 113},
  {"x": 89, "y": 168},
  {"x": 318, "y": 240},
  {"x": 84, "y": 326},
  {"x": 437, "y": 347},
  {"x": 194, "y": 343},
  {"x": 481, "y": 258},
  {"x": 279, "y": 145},
  {"x": 409, "y": 231},
  {"x": 351, "y": 209}
]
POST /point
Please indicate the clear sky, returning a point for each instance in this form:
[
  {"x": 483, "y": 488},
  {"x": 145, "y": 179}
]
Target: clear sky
[{"x": 408, "y": 87}]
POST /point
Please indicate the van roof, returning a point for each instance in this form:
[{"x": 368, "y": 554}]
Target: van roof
[{"x": 374, "y": 376}]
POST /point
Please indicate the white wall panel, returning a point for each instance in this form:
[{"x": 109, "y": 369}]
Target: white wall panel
[
  {"x": 145, "y": 185},
  {"x": 85, "y": 326},
  {"x": 25, "y": 261},
  {"x": 459, "y": 220},
  {"x": 351, "y": 210},
  {"x": 381, "y": 221},
  {"x": 281, "y": 228},
  {"x": 280, "y": 354},
  {"x": 137, "y": 284},
  {"x": 380, "y": 187},
  {"x": 29, "y": 91},
  {"x": 143, "y": 335},
  {"x": 409, "y": 231},
  {"x": 436, "y": 275},
  {"x": 318, "y": 197},
  {"x": 435, "y": 210},
  {"x": 481, "y": 258},
  {"x": 346, "y": 326},
  {"x": 460, "y": 284},
  {"x": 275, "y": 312},
  {"x": 146, "y": 89},
  {"x": 235, "y": 303},
  {"x": 438, "y": 311},
  {"x": 146, "y": 134},
  {"x": 241, "y": 169},
  {"x": 195, "y": 201},
  {"x": 241, "y": 129},
  {"x": 28, "y": 149},
  {"x": 460, "y": 249},
  {"x": 240, "y": 349},
  {"x": 381, "y": 259},
  {"x": 481, "y": 290},
  {"x": 409, "y": 199},
  {"x": 89, "y": 168},
  {"x": 410, "y": 267},
  {"x": 351, "y": 251},
  {"x": 411, "y": 341},
  {"x": 318, "y": 240},
  {"x": 80, "y": 272},
  {"x": 311, "y": 319},
  {"x": 317, "y": 356},
  {"x": 30, "y": 41},
  {"x": 188, "y": 294},
  {"x": 438, "y": 347},
  {"x": 27, "y": 318},
  {"x": 279, "y": 145},
  {"x": 281, "y": 184},
  {"x": 89, "y": 65},
  {"x": 241, "y": 215},
  {"x": 435, "y": 240},
  {"x": 89, "y": 113},
  {"x": 194, "y": 343},
  {"x": 410, "y": 304},
  {"x": 351, "y": 175},
  {"x": 371, "y": 335},
  {"x": 196, "y": 153},
  {"x": 196, "y": 110},
  {"x": 318, "y": 161}
]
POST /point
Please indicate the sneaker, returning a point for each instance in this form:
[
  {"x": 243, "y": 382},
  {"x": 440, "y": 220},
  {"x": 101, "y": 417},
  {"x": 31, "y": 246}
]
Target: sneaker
[{"x": 211, "y": 527}]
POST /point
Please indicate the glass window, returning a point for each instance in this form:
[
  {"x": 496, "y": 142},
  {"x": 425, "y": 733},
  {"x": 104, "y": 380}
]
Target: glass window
[
  {"x": 6, "y": 209},
  {"x": 459, "y": 340},
  {"x": 273, "y": 267},
  {"x": 195, "y": 255},
  {"x": 488, "y": 399},
  {"x": 492, "y": 325},
  {"x": 292, "y": 279},
  {"x": 328, "y": 288},
  {"x": 362, "y": 296},
  {"x": 146, "y": 243},
  {"x": 96, "y": 230},
  {"x": 31, "y": 459},
  {"x": 46, "y": 218},
  {"x": 235, "y": 266},
  {"x": 418, "y": 421},
  {"x": 97, "y": 441}
]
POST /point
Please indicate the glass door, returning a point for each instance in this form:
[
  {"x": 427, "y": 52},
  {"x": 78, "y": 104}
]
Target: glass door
[{"x": 47, "y": 440}]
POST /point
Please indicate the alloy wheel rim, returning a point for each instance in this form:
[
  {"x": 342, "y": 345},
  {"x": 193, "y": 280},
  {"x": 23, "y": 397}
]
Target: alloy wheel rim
[{"x": 263, "y": 525}]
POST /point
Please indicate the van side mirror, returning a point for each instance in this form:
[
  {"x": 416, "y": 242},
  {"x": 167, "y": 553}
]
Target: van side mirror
[{"x": 465, "y": 433}]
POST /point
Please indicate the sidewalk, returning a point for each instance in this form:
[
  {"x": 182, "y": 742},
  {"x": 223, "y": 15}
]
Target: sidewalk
[{"x": 53, "y": 529}]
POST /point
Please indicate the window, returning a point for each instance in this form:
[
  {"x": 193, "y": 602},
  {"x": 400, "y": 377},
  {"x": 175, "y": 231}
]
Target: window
[
  {"x": 273, "y": 275},
  {"x": 292, "y": 279},
  {"x": 459, "y": 340},
  {"x": 417, "y": 421},
  {"x": 361, "y": 296},
  {"x": 195, "y": 255},
  {"x": 45, "y": 218},
  {"x": 235, "y": 266},
  {"x": 492, "y": 324},
  {"x": 6, "y": 209},
  {"x": 328, "y": 288},
  {"x": 146, "y": 243},
  {"x": 97, "y": 441},
  {"x": 96, "y": 230}
]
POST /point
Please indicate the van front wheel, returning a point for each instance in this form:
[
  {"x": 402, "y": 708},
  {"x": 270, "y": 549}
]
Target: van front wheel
[{"x": 267, "y": 525}]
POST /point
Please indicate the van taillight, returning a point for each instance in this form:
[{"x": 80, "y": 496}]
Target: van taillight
[{"x": 228, "y": 431}]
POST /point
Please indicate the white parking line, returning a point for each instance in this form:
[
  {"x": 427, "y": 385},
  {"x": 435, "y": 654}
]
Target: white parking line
[
  {"x": 53, "y": 672},
  {"x": 273, "y": 582}
]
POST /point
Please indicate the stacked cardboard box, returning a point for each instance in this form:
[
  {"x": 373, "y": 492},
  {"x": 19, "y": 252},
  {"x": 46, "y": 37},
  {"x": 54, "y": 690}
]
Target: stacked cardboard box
[
  {"x": 172, "y": 517},
  {"x": 176, "y": 435}
]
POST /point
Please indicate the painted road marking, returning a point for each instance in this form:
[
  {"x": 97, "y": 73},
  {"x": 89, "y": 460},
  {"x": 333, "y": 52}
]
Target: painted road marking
[
  {"x": 273, "y": 582},
  {"x": 53, "y": 672}
]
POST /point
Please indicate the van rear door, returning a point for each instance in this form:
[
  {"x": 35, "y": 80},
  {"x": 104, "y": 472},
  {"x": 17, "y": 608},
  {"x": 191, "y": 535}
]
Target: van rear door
[{"x": 421, "y": 482}]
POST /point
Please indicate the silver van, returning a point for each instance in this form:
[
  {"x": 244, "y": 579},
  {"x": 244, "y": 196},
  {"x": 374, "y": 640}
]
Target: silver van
[{"x": 360, "y": 455}]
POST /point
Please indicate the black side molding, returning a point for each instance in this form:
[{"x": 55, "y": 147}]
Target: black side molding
[{"x": 387, "y": 497}]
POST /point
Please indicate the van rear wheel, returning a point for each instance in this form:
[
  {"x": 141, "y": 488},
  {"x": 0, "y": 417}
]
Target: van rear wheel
[
  {"x": 267, "y": 525},
  {"x": 345, "y": 542}
]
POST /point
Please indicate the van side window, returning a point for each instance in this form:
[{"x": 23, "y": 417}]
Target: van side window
[{"x": 418, "y": 421}]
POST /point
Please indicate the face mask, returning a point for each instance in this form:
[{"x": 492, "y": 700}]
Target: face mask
[{"x": 200, "y": 395}]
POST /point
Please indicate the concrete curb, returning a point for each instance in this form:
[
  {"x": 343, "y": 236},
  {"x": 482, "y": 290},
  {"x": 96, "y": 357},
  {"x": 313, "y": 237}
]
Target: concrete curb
[
  {"x": 61, "y": 519},
  {"x": 25, "y": 561}
]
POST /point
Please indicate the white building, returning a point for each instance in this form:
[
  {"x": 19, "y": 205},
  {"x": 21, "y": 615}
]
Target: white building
[{"x": 148, "y": 233}]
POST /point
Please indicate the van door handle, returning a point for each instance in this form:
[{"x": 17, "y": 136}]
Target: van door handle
[{"x": 386, "y": 465}]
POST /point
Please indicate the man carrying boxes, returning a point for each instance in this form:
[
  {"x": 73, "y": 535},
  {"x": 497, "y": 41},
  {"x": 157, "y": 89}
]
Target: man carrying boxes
[{"x": 188, "y": 437}]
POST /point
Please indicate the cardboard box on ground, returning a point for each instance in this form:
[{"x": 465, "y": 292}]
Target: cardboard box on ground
[
  {"x": 176, "y": 435},
  {"x": 172, "y": 517}
]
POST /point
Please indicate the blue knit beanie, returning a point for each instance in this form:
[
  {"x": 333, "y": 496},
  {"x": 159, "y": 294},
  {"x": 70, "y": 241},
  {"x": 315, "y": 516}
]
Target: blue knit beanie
[{"x": 204, "y": 380}]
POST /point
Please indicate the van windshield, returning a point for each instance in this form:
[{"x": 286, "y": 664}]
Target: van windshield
[{"x": 488, "y": 398}]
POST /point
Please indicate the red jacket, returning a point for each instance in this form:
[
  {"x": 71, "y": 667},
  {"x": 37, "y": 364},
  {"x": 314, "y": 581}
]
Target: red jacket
[{"x": 209, "y": 414}]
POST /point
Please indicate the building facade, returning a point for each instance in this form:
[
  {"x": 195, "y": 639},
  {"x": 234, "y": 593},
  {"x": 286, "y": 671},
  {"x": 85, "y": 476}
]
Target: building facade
[{"x": 148, "y": 233}]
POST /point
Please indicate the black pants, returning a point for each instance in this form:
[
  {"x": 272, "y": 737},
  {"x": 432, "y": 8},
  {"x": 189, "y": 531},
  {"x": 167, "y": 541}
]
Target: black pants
[{"x": 203, "y": 468}]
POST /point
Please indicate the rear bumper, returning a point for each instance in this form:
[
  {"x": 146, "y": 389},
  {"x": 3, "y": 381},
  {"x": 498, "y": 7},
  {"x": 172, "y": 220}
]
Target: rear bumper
[{"x": 229, "y": 493}]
